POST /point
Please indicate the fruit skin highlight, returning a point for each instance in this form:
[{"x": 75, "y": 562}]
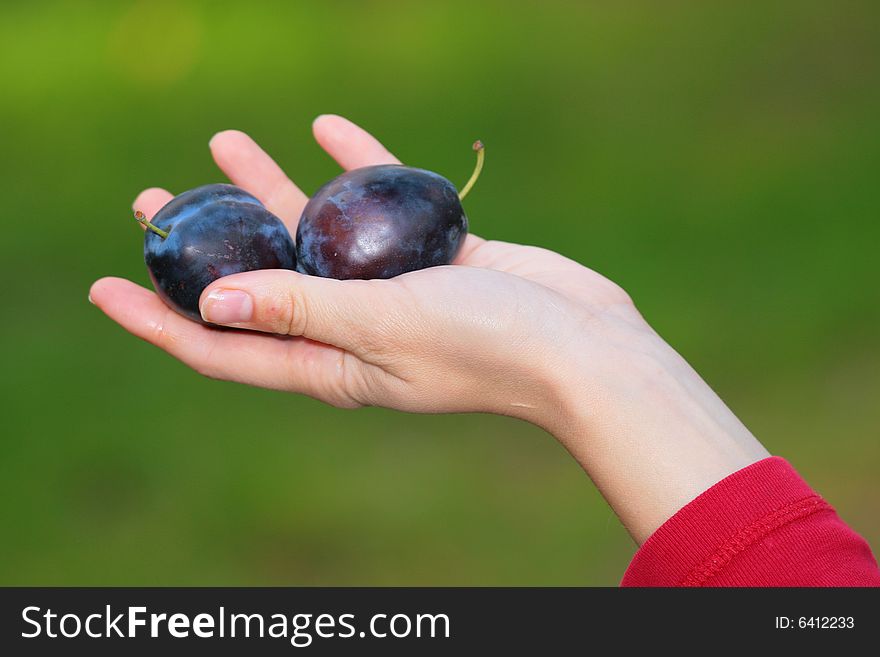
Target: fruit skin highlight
[{"x": 211, "y": 232}]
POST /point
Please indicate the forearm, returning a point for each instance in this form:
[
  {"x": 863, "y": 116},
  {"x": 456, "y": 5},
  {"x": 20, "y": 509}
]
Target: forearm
[{"x": 647, "y": 429}]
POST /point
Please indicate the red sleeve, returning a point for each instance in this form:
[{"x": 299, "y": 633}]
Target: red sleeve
[{"x": 761, "y": 526}]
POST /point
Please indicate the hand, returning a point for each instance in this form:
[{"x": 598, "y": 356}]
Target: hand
[
  {"x": 507, "y": 329},
  {"x": 473, "y": 337}
]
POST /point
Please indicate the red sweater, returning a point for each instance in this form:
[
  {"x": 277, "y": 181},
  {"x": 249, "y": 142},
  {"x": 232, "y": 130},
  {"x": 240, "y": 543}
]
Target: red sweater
[{"x": 761, "y": 526}]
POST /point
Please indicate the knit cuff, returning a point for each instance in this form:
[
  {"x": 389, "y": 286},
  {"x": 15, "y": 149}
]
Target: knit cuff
[{"x": 723, "y": 523}]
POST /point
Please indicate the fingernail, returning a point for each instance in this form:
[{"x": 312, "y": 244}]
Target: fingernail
[
  {"x": 227, "y": 307},
  {"x": 90, "y": 299}
]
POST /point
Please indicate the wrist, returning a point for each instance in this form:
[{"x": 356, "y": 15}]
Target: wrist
[{"x": 647, "y": 429}]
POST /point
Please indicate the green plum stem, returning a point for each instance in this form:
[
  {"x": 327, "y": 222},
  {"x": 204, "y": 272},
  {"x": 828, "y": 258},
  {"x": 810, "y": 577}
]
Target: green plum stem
[
  {"x": 481, "y": 155},
  {"x": 142, "y": 219}
]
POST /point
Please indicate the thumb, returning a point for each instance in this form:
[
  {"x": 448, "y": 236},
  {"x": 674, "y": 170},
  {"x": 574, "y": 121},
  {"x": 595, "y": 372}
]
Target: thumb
[{"x": 285, "y": 302}]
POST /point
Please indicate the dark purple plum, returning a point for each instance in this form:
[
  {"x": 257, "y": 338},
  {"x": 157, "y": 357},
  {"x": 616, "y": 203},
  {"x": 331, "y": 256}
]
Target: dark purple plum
[
  {"x": 210, "y": 232},
  {"x": 382, "y": 221}
]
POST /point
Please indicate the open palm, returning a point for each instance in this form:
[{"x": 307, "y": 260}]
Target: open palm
[{"x": 389, "y": 343}]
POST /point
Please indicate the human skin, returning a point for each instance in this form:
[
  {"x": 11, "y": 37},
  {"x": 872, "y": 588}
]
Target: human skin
[{"x": 506, "y": 329}]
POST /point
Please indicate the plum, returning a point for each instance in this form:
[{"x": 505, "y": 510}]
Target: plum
[
  {"x": 210, "y": 232},
  {"x": 382, "y": 221}
]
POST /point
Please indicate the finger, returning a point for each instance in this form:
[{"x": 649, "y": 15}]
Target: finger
[
  {"x": 251, "y": 168},
  {"x": 296, "y": 365},
  {"x": 350, "y": 145},
  {"x": 465, "y": 255},
  {"x": 151, "y": 200},
  {"x": 348, "y": 314}
]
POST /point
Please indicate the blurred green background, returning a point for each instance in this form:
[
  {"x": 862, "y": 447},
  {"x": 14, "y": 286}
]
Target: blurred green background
[{"x": 719, "y": 160}]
